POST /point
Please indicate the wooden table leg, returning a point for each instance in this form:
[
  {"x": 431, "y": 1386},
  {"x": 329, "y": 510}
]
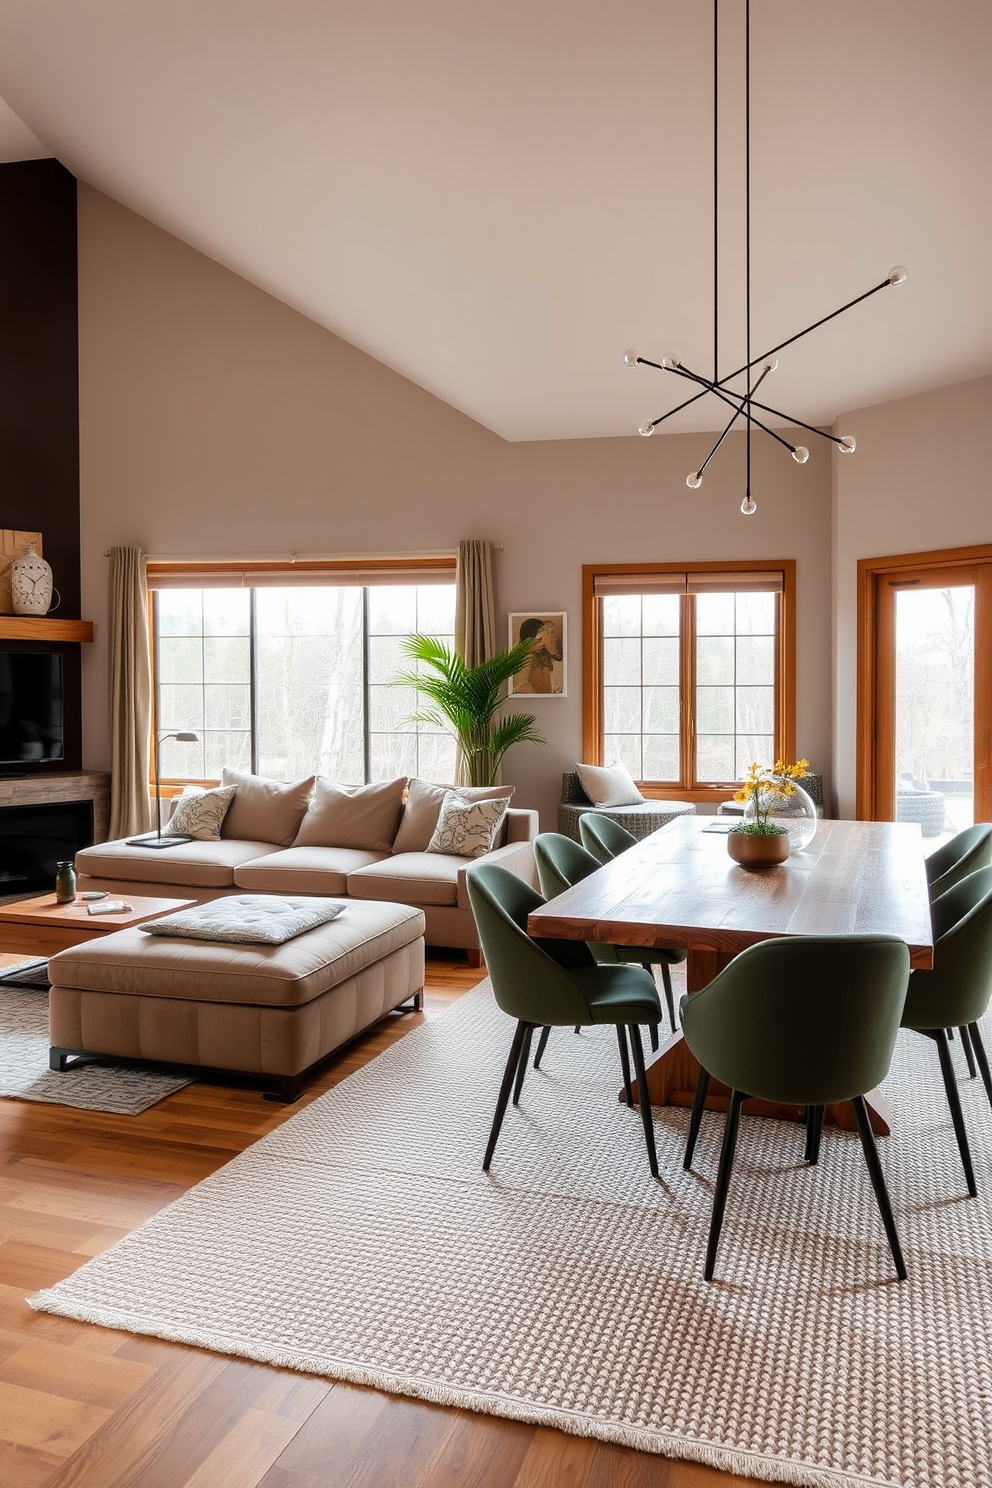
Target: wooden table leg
[{"x": 673, "y": 1071}]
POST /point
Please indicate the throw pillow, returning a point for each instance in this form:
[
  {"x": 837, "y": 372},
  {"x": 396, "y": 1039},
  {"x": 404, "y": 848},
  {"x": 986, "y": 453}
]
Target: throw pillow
[
  {"x": 200, "y": 813},
  {"x": 363, "y": 816},
  {"x": 467, "y": 829},
  {"x": 423, "y": 808},
  {"x": 265, "y": 810},
  {"x": 608, "y": 785}
]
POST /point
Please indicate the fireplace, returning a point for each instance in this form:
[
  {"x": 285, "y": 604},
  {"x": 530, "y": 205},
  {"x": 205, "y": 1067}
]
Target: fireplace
[{"x": 34, "y": 838}]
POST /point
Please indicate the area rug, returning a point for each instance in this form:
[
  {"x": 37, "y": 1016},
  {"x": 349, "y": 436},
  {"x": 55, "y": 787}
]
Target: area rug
[
  {"x": 362, "y": 1241},
  {"x": 99, "y": 1085}
]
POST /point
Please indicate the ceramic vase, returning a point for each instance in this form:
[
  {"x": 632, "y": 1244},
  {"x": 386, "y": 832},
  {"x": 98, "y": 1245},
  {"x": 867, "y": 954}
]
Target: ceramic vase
[
  {"x": 30, "y": 583},
  {"x": 755, "y": 850}
]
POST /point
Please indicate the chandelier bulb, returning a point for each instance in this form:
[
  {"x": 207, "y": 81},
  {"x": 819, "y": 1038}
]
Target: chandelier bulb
[
  {"x": 749, "y": 505},
  {"x": 800, "y": 454},
  {"x": 847, "y": 445},
  {"x": 694, "y": 481},
  {"x": 670, "y": 362},
  {"x": 898, "y": 275},
  {"x": 647, "y": 428},
  {"x": 771, "y": 365},
  {"x": 630, "y": 359}
]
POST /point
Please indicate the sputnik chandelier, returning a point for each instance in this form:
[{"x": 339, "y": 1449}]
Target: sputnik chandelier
[{"x": 744, "y": 403}]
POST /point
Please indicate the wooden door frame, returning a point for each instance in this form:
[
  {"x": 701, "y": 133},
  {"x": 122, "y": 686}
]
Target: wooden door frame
[{"x": 872, "y": 572}]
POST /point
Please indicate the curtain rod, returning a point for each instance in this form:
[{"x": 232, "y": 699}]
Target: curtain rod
[{"x": 296, "y": 557}]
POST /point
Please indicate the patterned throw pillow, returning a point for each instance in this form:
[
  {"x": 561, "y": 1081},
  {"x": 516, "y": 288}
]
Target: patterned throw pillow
[
  {"x": 199, "y": 813},
  {"x": 467, "y": 829}
]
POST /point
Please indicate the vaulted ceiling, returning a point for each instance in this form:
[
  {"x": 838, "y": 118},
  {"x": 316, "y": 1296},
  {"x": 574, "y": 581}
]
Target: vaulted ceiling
[{"x": 498, "y": 197}]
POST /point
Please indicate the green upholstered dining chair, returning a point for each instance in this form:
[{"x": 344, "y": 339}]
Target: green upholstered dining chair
[
  {"x": 562, "y": 863},
  {"x": 603, "y": 837},
  {"x": 809, "y": 1020},
  {"x": 964, "y": 854},
  {"x": 956, "y": 992},
  {"x": 534, "y": 987}
]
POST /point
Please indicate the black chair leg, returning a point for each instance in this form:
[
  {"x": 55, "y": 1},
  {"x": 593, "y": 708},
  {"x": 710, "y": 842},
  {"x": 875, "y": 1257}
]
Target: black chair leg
[
  {"x": 982, "y": 1058},
  {"x": 695, "y": 1120},
  {"x": 969, "y": 1052},
  {"x": 878, "y": 1180},
  {"x": 737, "y": 1099},
  {"x": 666, "y": 978},
  {"x": 502, "y": 1100},
  {"x": 814, "y": 1130},
  {"x": 522, "y": 1062},
  {"x": 542, "y": 1044},
  {"x": 628, "y": 1094},
  {"x": 643, "y": 1098},
  {"x": 939, "y": 1036}
]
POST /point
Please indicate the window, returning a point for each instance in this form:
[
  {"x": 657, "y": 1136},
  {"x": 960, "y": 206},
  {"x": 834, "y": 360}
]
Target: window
[
  {"x": 688, "y": 672},
  {"x": 292, "y": 680}
]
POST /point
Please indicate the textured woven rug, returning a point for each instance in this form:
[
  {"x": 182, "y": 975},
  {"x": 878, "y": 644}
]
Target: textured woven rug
[
  {"x": 101, "y": 1085},
  {"x": 362, "y": 1241}
]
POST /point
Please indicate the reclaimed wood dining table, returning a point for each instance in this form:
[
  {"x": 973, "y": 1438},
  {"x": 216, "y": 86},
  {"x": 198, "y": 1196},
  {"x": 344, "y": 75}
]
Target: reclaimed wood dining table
[{"x": 680, "y": 887}]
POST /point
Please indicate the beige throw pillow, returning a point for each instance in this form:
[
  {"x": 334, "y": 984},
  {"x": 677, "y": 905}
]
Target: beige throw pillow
[
  {"x": 363, "y": 816},
  {"x": 265, "y": 810},
  {"x": 467, "y": 829},
  {"x": 423, "y": 807},
  {"x": 608, "y": 785},
  {"x": 200, "y": 813}
]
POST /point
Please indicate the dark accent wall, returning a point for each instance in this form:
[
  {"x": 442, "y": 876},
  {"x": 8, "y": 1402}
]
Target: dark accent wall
[{"x": 39, "y": 391}]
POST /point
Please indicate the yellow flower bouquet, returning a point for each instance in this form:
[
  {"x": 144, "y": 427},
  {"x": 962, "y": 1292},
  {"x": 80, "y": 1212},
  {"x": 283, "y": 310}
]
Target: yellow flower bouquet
[{"x": 765, "y": 789}]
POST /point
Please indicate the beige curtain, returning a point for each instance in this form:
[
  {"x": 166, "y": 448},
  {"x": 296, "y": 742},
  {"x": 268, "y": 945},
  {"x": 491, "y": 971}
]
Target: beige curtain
[
  {"x": 475, "y": 602},
  {"x": 130, "y": 694}
]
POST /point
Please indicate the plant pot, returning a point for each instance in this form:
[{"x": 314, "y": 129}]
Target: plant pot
[{"x": 756, "y": 850}]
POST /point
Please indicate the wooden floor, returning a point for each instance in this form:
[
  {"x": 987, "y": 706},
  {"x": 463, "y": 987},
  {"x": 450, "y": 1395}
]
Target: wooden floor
[{"x": 93, "y": 1408}]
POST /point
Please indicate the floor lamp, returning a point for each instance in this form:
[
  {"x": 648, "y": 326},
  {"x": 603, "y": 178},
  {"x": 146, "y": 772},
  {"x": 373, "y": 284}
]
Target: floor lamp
[{"x": 155, "y": 839}]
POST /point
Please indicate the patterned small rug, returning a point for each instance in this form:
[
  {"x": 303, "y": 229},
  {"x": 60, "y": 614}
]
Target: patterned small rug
[
  {"x": 362, "y": 1241},
  {"x": 98, "y": 1085}
]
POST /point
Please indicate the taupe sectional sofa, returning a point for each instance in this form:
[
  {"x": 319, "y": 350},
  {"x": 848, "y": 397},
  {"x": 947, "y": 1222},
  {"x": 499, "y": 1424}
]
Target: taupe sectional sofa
[{"x": 317, "y": 837}]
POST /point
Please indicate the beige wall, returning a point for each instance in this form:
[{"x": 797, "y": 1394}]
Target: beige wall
[
  {"x": 918, "y": 481},
  {"x": 216, "y": 422}
]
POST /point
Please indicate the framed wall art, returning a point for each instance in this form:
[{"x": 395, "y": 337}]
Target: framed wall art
[{"x": 546, "y": 669}]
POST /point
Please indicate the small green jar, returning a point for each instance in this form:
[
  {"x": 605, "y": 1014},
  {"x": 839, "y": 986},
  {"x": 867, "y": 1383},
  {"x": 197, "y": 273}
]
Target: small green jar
[{"x": 65, "y": 883}]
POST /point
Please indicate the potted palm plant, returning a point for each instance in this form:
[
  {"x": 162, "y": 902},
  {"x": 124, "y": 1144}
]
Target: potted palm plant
[{"x": 466, "y": 699}]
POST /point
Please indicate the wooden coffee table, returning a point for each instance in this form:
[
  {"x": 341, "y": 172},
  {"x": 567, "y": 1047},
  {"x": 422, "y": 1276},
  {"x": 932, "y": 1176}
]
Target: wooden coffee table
[{"x": 40, "y": 927}]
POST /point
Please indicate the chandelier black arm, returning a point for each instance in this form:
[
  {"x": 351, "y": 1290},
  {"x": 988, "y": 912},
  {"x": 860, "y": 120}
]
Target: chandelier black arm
[
  {"x": 733, "y": 419},
  {"x": 885, "y": 284},
  {"x": 741, "y": 408},
  {"x": 679, "y": 406},
  {"x": 834, "y": 438}
]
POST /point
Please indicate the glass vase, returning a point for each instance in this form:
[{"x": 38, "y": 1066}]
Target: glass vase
[{"x": 796, "y": 812}]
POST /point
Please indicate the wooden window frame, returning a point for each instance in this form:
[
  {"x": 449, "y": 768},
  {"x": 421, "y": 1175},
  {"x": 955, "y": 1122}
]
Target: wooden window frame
[
  {"x": 875, "y": 670},
  {"x": 232, "y": 574},
  {"x": 592, "y": 667}
]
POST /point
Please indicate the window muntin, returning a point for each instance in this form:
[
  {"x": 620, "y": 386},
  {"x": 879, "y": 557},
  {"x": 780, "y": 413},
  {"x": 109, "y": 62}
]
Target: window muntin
[{"x": 294, "y": 681}]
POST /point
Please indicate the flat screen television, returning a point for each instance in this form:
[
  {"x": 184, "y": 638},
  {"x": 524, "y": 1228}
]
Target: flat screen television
[{"x": 31, "y": 725}]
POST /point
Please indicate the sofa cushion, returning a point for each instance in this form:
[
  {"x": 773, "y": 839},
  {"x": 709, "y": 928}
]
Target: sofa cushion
[
  {"x": 467, "y": 828},
  {"x": 360, "y": 816},
  {"x": 202, "y": 865},
  {"x": 200, "y": 813},
  {"x": 303, "y": 870},
  {"x": 423, "y": 807},
  {"x": 274, "y": 976},
  {"x": 265, "y": 810},
  {"x": 410, "y": 878}
]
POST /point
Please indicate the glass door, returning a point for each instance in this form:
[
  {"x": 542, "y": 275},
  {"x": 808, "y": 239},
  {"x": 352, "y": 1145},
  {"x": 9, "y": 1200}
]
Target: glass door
[{"x": 932, "y": 704}]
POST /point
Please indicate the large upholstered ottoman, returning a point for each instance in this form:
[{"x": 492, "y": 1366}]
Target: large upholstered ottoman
[{"x": 264, "y": 1010}]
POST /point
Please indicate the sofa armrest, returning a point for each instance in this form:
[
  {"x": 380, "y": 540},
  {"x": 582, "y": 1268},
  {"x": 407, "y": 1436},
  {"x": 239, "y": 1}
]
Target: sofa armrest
[
  {"x": 517, "y": 857},
  {"x": 521, "y": 826}
]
